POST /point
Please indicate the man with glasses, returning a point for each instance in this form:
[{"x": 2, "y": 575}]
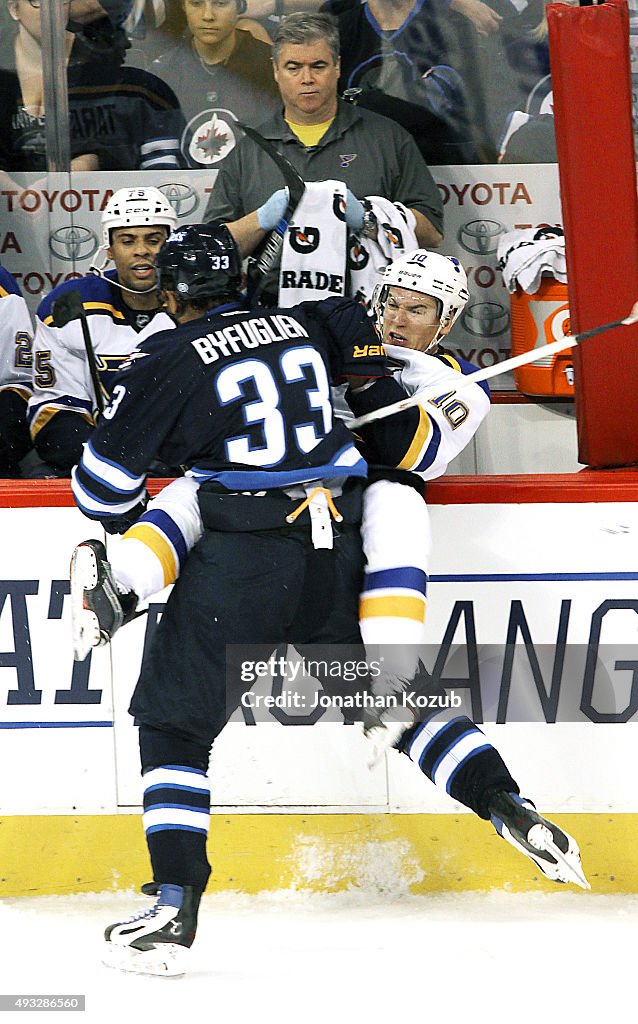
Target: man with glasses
[{"x": 120, "y": 118}]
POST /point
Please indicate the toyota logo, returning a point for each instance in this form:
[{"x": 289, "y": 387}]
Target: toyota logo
[
  {"x": 182, "y": 198},
  {"x": 73, "y": 243},
  {"x": 485, "y": 319},
  {"x": 480, "y": 236}
]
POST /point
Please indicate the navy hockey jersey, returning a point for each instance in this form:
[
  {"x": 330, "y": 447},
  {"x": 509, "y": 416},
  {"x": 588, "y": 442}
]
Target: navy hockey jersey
[{"x": 238, "y": 397}]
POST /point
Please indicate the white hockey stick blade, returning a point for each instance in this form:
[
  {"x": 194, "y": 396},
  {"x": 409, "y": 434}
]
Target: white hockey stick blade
[
  {"x": 570, "y": 868},
  {"x": 524, "y": 359},
  {"x": 165, "y": 960},
  {"x": 85, "y": 628}
]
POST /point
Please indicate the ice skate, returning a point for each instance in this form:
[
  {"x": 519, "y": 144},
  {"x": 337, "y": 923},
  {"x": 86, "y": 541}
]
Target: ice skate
[
  {"x": 97, "y": 608},
  {"x": 553, "y": 851},
  {"x": 158, "y": 940}
]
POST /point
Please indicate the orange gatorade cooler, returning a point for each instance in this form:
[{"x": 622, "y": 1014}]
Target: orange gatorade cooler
[{"x": 539, "y": 320}]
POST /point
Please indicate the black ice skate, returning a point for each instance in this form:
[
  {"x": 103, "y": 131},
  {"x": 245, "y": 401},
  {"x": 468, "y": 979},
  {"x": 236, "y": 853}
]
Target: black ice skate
[
  {"x": 156, "y": 941},
  {"x": 552, "y": 850},
  {"x": 97, "y": 608}
]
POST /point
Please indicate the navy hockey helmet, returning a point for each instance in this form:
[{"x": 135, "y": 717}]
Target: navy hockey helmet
[{"x": 199, "y": 261}]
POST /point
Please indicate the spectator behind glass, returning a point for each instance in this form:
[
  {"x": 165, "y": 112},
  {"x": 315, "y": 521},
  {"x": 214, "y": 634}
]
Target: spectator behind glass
[
  {"x": 22, "y": 113},
  {"x": 130, "y": 118},
  {"x": 156, "y": 26},
  {"x": 325, "y": 139},
  {"x": 528, "y": 132},
  {"x": 416, "y": 62},
  {"x": 514, "y": 61},
  {"x": 220, "y": 75}
]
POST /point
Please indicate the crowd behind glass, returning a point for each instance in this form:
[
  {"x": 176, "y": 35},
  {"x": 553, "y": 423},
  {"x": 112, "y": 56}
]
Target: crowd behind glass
[{"x": 153, "y": 84}]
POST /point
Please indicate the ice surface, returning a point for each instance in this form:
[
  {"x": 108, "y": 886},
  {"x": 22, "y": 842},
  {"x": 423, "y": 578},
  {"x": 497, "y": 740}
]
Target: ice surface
[{"x": 348, "y": 957}]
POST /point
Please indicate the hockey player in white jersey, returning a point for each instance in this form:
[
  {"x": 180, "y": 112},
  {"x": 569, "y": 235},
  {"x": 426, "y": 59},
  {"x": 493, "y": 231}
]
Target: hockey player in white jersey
[
  {"x": 417, "y": 304},
  {"x": 122, "y": 307},
  {"x": 16, "y": 375}
]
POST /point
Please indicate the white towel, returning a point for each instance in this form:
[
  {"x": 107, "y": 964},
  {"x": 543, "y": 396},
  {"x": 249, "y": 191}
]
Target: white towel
[
  {"x": 313, "y": 258},
  {"x": 321, "y": 258},
  {"x": 368, "y": 257},
  {"x": 524, "y": 256}
]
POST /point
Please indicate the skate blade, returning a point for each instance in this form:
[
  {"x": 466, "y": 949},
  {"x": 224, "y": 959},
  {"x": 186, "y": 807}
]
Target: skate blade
[
  {"x": 569, "y": 868},
  {"x": 165, "y": 960},
  {"x": 85, "y": 628}
]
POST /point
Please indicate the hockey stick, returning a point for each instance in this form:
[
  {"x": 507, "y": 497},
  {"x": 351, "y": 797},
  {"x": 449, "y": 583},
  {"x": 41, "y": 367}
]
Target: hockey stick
[
  {"x": 70, "y": 307},
  {"x": 272, "y": 245},
  {"x": 494, "y": 371}
]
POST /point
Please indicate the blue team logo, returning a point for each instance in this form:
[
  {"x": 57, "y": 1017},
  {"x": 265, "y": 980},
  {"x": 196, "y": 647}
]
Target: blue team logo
[
  {"x": 208, "y": 138},
  {"x": 345, "y": 159}
]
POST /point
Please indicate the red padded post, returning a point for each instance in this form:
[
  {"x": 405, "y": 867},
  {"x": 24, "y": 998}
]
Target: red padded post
[{"x": 589, "y": 52}]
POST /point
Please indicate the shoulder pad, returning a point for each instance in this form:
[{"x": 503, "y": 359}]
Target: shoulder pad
[
  {"x": 98, "y": 295},
  {"x": 8, "y": 284},
  {"x": 464, "y": 367}
]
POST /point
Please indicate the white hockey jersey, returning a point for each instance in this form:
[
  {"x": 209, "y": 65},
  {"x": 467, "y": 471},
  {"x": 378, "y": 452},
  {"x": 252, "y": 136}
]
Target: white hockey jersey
[
  {"x": 425, "y": 438},
  {"x": 16, "y": 338},
  {"x": 62, "y": 381},
  {"x": 447, "y": 423}
]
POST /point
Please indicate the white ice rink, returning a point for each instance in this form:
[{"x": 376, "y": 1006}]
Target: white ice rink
[{"x": 341, "y": 959}]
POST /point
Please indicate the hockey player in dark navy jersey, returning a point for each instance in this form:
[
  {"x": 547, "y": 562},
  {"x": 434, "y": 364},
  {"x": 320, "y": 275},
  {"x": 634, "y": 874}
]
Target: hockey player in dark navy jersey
[
  {"x": 417, "y": 303},
  {"x": 242, "y": 398}
]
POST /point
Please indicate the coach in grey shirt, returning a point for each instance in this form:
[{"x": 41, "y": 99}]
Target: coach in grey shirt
[{"x": 324, "y": 138}]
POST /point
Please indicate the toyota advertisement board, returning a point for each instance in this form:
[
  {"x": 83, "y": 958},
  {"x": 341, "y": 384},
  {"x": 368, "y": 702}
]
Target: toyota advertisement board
[{"x": 51, "y": 233}]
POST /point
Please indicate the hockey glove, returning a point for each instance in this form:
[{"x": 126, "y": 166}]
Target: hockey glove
[{"x": 271, "y": 213}]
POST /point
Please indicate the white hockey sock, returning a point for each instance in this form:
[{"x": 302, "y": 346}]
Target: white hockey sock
[
  {"x": 150, "y": 555},
  {"x": 396, "y": 542}
]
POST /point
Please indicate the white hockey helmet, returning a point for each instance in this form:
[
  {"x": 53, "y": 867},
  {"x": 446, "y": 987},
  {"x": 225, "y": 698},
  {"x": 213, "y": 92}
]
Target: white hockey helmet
[
  {"x": 136, "y": 207},
  {"x": 430, "y": 273}
]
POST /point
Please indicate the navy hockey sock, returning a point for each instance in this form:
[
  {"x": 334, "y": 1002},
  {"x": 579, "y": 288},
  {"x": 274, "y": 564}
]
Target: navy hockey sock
[
  {"x": 176, "y": 818},
  {"x": 457, "y": 757}
]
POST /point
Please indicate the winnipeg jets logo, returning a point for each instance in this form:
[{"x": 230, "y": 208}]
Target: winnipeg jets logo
[{"x": 209, "y": 138}]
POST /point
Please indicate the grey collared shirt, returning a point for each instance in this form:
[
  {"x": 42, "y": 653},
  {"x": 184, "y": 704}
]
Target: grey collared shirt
[{"x": 371, "y": 154}]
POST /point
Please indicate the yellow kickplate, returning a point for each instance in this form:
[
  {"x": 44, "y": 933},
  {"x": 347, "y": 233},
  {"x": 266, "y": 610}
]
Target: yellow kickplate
[{"x": 382, "y": 853}]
